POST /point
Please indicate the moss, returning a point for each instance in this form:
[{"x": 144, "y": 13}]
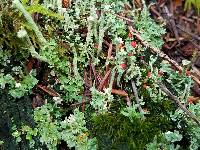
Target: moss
[
  {"x": 115, "y": 131},
  {"x": 14, "y": 112}
]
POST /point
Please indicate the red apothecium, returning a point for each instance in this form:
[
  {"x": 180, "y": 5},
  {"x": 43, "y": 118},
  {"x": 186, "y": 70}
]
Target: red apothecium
[
  {"x": 149, "y": 74},
  {"x": 133, "y": 44},
  {"x": 130, "y": 54},
  {"x": 188, "y": 73},
  {"x": 160, "y": 73},
  {"x": 123, "y": 66},
  {"x": 130, "y": 35}
]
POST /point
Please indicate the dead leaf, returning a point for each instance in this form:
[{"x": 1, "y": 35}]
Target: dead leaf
[
  {"x": 177, "y": 3},
  {"x": 30, "y": 64},
  {"x": 188, "y": 50}
]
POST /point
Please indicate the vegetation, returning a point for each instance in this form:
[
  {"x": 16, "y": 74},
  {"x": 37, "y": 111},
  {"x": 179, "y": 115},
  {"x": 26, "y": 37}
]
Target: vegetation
[
  {"x": 95, "y": 81},
  {"x": 194, "y": 3}
]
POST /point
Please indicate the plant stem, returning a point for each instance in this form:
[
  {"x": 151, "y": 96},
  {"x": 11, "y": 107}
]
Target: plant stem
[
  {"x": 134, "y": 88},
  {"x": 20, "y": 7}
]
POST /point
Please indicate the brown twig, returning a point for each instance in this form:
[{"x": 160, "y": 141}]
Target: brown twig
[
  {"x": 86, "y": 81},
  {"x": 109, "y": 56},
  {"x": 195, "y": 79},
  {"x": 152, "y": 8},
  {"x": 195, "y": 45},
  {"x": 153, "y": 49},
  {"x": 106, "y": 42},
  {"x": 191, "y": 34},
  {"x": 94, "y": 71},
  {"x": 160, "y": 53},
  {"x": 83, "y": 102},
  {"x": 176, "y": 100},
  {"x": 134, "y": 88},
  {"x": 187, "y": 19},
  {"x": 78, "y": 104},
  {"x": 174, "y": 44},
  {"x": 172, "y": 23},
  {"x": 103, "y": 81},
  {"x": 124, "y": 18},
  {"x": 48, "y": 90},
  {"x": 195, "y": 71},
  {"x": 119, "y": 92},
  {"x": 128, "y": 101}
]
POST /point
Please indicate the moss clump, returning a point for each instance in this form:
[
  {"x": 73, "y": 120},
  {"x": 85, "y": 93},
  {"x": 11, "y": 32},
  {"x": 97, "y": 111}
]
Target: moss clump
[{"x": 115, "y": 131}]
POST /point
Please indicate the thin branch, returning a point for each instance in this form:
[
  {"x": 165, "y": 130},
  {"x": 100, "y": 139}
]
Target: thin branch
[
  {"x": 78, "y": 104},
  {"x": 172, "y": 23},
  {"x": 109, "y": 56},
  {"x": 159, "y": 52},
  {"x": 86, "y": 81},
  {"x": 83, "y": 102},
  {"x": 189, "y": 33},
  {"x": 197, "y": 46},
  {"x": 176, "y": 100},
  {"x": 134, "y": 88},
  {"x": 50, "y": 91},
  {"x": 119, "y": 92},
  {"x": 94, "y": 71},
  {"x": 128, "y": 101},
  {"x": 153, "y": 49},
  {"x": 152, "y": 8},
  {"x": 103, "y": 82},
  {"x": 124, "y": 18},
  {"x": 195, "y": 79}
]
